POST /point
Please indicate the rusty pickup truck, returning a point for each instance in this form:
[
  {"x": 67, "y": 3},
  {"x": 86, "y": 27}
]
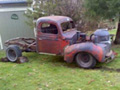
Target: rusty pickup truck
[{"x": 57, "y": 35}]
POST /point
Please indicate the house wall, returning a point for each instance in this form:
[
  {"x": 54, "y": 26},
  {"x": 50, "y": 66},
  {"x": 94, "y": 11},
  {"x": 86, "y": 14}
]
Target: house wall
[{"x": 12, "y": 28}]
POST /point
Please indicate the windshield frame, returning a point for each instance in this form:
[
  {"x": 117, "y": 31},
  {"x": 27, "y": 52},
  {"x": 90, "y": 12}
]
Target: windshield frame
[{"x": 70, "y": 29}]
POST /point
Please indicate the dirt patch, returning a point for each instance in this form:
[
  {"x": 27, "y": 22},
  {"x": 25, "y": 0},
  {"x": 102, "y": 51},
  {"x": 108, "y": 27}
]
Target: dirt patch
[{"x": 20, "y": 60}]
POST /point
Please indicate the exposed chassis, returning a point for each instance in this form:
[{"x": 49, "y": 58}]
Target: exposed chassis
[{"x": 25, "y": 44}]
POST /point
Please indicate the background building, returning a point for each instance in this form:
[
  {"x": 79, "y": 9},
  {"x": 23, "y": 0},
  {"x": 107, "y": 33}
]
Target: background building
[{"x": 12, "y": 20}]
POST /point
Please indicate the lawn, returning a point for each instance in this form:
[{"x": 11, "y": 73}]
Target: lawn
[{"x": 44, "y": 72}]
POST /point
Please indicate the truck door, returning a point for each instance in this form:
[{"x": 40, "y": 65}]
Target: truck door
[{"x": 47, "y": 39}]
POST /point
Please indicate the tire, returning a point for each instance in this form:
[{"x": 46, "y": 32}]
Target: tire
[
  {"x": 13, "y": 52},
  {"x": 85, "y": 60}
]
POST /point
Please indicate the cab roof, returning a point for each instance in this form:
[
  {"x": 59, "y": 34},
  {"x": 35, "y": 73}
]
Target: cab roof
[{"x": 56, "y": 19}]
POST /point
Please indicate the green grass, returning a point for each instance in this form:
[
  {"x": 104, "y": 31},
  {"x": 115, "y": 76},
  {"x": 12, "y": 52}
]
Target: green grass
[
  {"x": 110, "y": 31},
  {"x": 44, "y": 72},
  {"x": 113, "y": 31}
]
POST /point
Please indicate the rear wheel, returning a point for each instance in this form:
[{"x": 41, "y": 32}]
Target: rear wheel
[
  {"x": 13, "y": 52},
  {"x": 85, "y": 60}
]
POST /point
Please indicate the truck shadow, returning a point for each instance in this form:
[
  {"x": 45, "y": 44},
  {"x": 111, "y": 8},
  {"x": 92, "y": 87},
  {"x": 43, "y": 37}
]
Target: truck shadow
[
  {"x": 107, "y": 69},
  {"x": 74, "y": 65}
]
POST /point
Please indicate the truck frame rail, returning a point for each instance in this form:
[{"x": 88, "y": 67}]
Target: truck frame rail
[{"x": 25, "y": 44}]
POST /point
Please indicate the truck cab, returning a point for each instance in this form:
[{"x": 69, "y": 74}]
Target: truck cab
[{"x": 54, "y": 33}]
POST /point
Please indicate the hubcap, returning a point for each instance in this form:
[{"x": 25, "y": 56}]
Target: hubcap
[{"x": 84, "y": 59}]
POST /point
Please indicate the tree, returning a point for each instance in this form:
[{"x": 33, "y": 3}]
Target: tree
[
  {"x": 70, "y": 8},
  {"x": 104, "y": 9}
]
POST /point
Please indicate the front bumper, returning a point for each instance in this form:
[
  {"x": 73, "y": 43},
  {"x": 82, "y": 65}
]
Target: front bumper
[{"x": 110, "y": 56}]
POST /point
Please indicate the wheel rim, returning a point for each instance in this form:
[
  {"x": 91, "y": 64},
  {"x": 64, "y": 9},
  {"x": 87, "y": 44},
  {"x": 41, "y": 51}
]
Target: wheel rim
[
  {"x": 12, "y": 55},
  {"x": 84, "y": 59}
]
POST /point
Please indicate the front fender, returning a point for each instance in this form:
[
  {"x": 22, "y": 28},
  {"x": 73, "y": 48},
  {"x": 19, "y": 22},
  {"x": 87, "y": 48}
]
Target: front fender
[{"x": 97, "y": 51}]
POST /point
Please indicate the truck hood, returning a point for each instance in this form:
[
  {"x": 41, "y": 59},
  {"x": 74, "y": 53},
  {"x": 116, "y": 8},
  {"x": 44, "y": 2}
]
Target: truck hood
[{"x": 70, "y": 34}]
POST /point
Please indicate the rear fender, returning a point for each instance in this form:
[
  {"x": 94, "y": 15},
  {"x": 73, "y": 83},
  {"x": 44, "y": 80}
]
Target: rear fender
[{"x": 96, "y": 51}]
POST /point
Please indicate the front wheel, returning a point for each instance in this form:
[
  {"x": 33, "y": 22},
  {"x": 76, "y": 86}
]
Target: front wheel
[{"x": 85, "y": 60}]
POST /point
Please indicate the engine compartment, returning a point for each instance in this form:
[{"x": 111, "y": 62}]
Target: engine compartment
[{"x": 100, "y": 37}]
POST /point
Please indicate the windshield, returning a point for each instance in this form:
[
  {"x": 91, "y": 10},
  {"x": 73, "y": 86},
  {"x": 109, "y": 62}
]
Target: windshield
[{"x": 67, "y": 26}]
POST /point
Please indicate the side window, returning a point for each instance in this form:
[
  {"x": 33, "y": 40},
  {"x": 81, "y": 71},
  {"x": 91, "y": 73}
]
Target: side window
[{"x": 49, "y": 28}]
